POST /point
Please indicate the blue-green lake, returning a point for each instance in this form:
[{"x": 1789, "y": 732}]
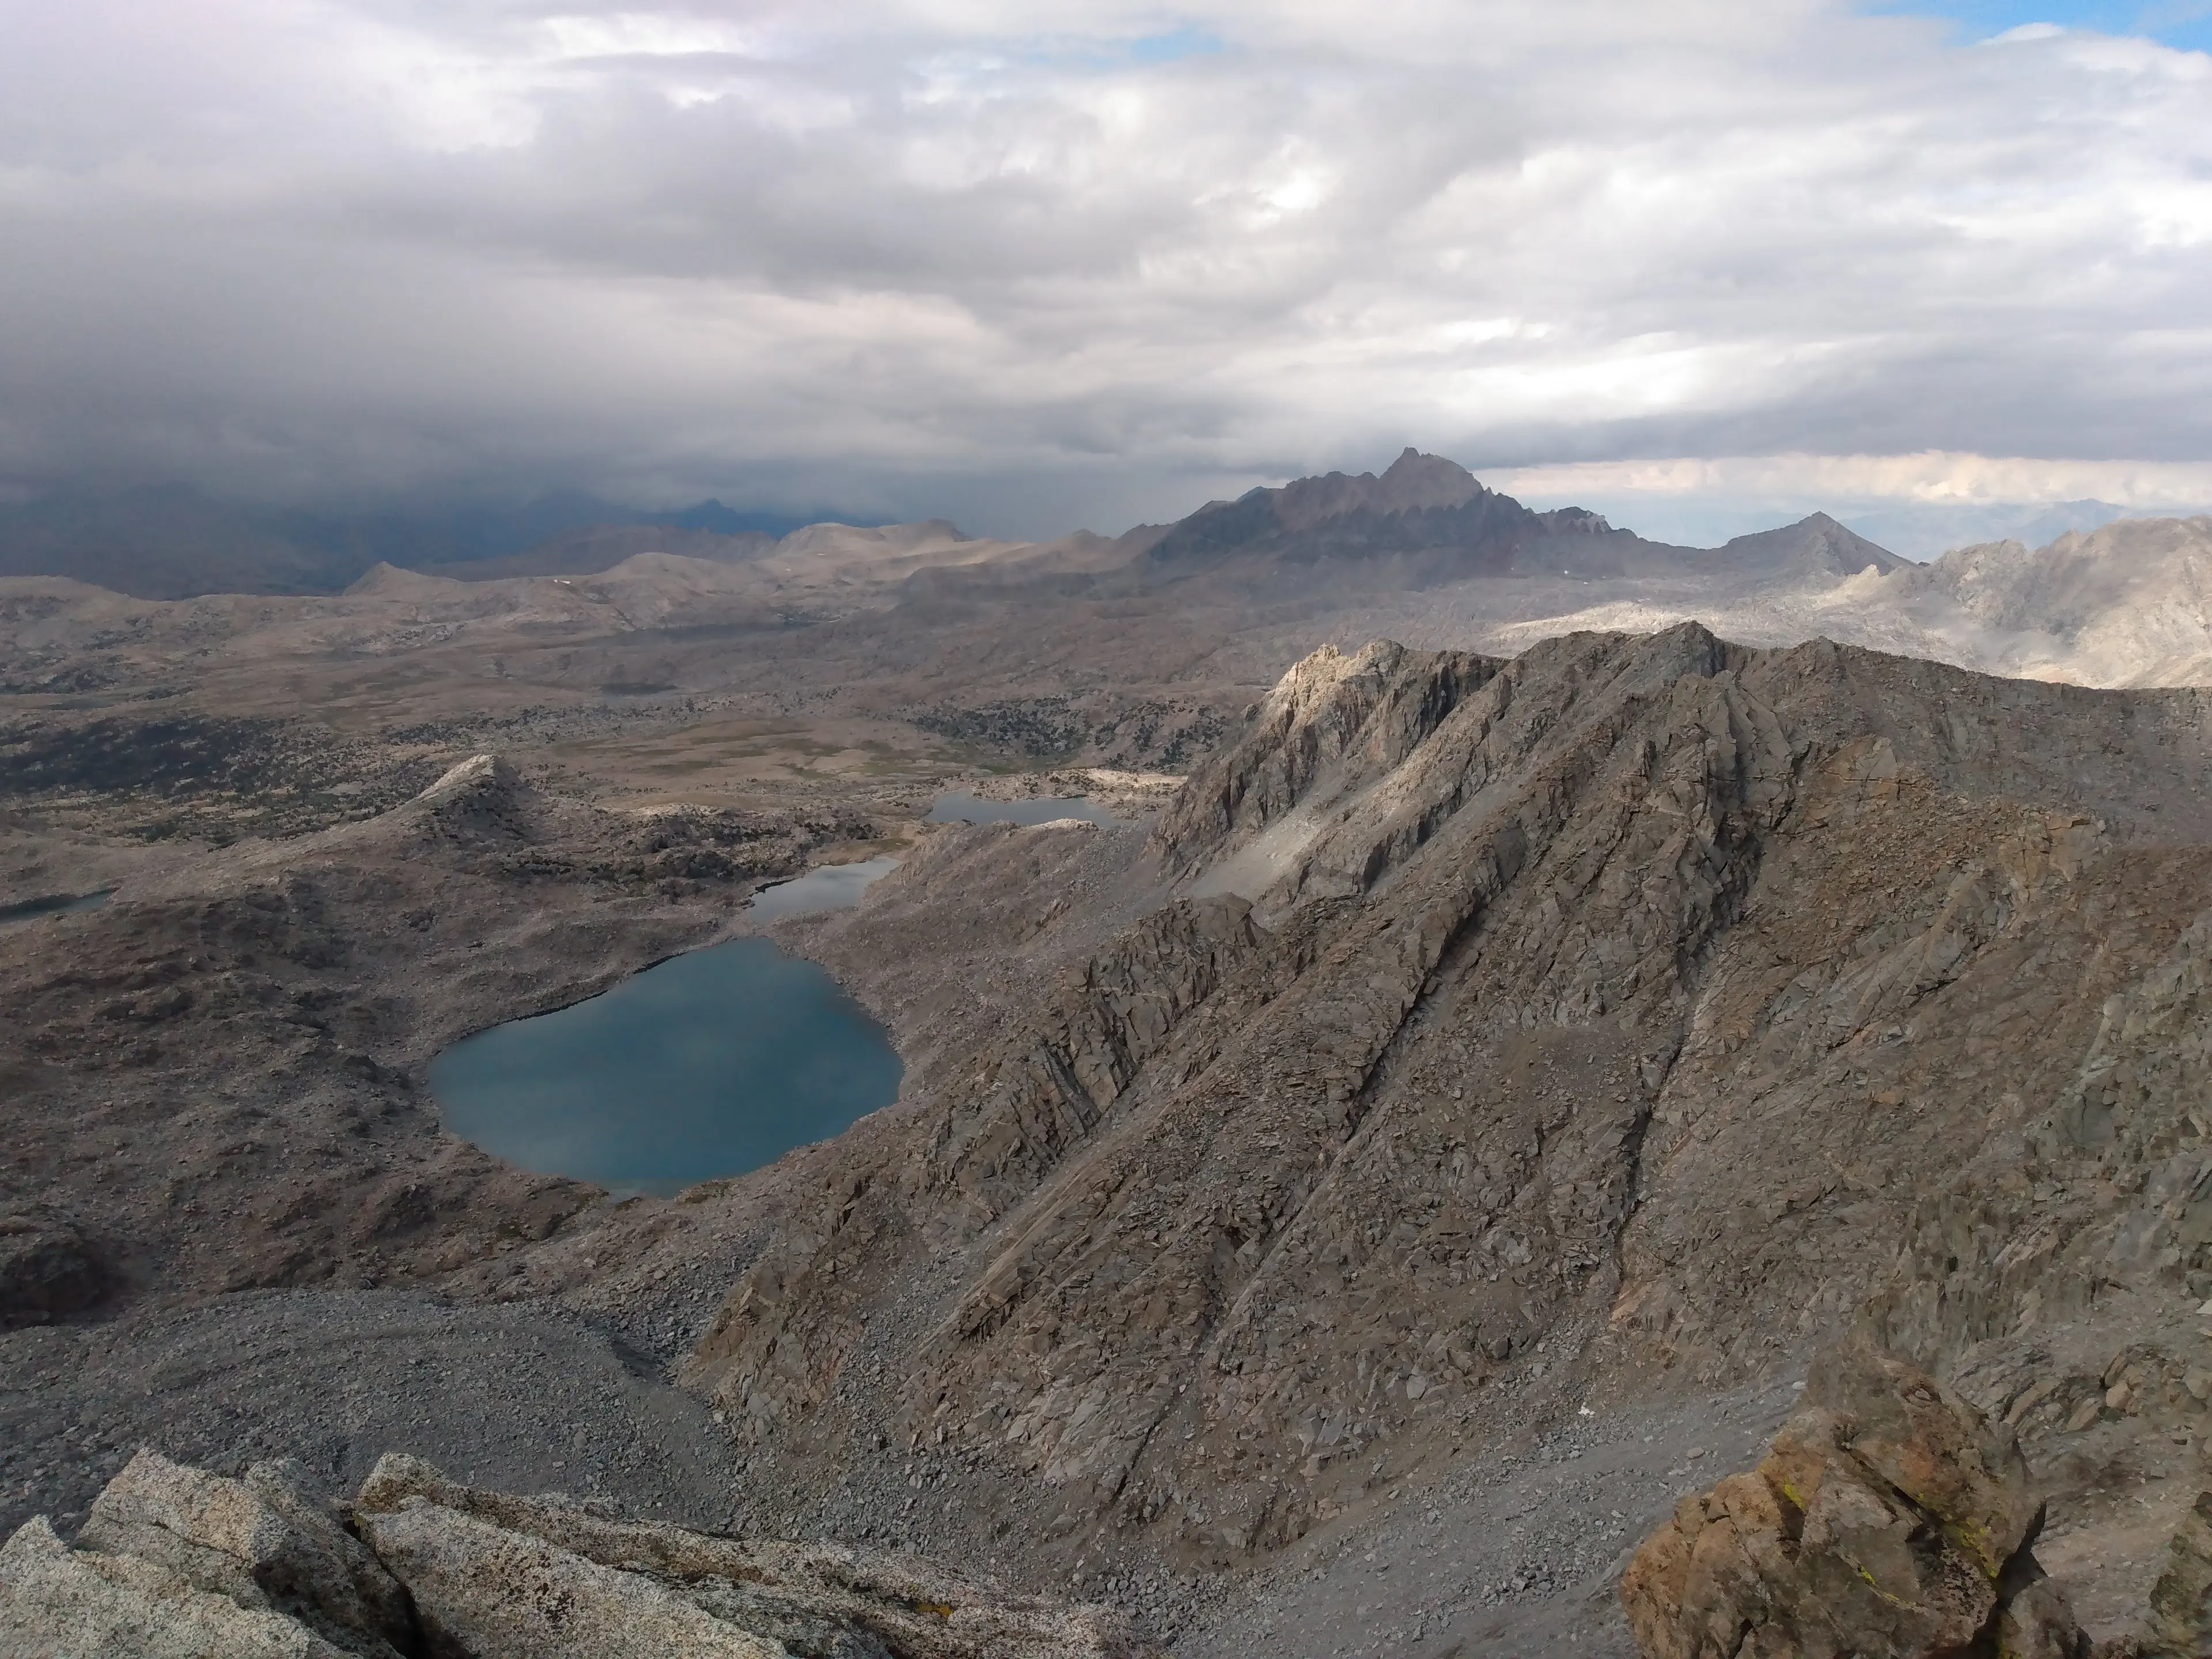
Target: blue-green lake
[
  {"x": 827, "y": 887},
  {"x": 56, "y": 904},
  {"x": 959, "y": 806},
  {"x": 705, "y": 1065}
]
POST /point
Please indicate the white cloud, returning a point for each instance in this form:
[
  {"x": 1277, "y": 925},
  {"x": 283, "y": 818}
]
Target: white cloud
[
  {"x": 1933, "y": 477},
  {"x": 923, "y": 255}
]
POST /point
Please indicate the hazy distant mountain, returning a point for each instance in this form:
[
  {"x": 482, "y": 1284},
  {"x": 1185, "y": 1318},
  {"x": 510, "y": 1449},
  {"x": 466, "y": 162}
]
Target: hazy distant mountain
[
  {"x": 1814, "y": 550},
  {"x": 165, "y": 544},
  {"x": 1422, "y": 552},
  {"x": 172, "y": 543},
  {"x": 2128, "y": 604},
  {"x": 1425, "y": 510},
  {"x": 601, "y": 547},
  {"x": 1922, "y": 530},
  {"x": 1424, "y": 522},
  {"x": 1425, "y": 554}
]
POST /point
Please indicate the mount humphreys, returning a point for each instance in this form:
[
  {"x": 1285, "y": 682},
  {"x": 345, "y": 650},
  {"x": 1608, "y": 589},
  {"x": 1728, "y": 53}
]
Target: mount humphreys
[{"x": 1540, "y": 996}]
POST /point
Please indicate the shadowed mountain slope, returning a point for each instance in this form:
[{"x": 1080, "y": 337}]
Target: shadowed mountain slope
[{"x": 1431, "y": 522}]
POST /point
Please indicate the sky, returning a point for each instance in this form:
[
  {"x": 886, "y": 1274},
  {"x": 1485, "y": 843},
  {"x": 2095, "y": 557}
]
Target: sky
[{"x": 1035, "y": 267}]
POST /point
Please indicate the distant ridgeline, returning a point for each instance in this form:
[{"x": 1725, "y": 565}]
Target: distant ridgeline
[{"x": 172, "y": 542}]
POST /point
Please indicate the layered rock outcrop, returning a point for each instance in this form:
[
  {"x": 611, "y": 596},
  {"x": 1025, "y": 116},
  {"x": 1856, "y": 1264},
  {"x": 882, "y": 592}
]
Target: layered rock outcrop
[
  {"x": 1890, "y": 1516},
  {"x": 180, "y": 1564}
]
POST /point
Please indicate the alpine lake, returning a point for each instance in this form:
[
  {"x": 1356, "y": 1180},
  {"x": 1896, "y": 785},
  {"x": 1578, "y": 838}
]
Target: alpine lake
[{"x": 705, "y": 1065}]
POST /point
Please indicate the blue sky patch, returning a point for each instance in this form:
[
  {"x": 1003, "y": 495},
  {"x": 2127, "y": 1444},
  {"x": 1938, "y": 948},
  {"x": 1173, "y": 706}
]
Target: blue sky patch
[
  {"x": 1189, "y": 41},
  {"x": 1107, "y": 55},
  {"x": 2184, "y": 23}
]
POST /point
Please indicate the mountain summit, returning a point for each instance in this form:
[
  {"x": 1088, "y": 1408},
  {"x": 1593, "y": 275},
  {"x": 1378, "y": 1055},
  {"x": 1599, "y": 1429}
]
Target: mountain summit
[
  {"x": 1424, "y": 506},
  {"x": 1430, "y": 521}
]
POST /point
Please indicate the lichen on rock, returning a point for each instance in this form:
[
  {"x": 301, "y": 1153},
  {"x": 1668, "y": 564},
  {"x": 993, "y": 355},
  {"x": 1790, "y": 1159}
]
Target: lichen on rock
[{"x": 1888, "y": 1517}]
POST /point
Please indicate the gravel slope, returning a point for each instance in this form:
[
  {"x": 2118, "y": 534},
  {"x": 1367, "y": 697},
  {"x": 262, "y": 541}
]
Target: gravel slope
[
  {"x": 522, "y": 1396},
  {"x": 1514, "y": 1549}
]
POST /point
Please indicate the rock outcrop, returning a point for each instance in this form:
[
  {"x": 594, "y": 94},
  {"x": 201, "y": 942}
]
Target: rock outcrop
[
  {"x": 179, "y": 1564},
  {"x": 822, "y": 1601},
  {"x": 60, "y": 1603},
  {"x": 1890, "y": 1516},
  {"x": 49, "y": 1269},
  {"x": 2178, "y": 1625},
  {"x": 266, "y": 1542}
]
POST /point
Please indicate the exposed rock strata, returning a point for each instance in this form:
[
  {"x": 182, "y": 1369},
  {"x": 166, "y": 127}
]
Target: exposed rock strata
[{"x": 1522, "y": 1028}]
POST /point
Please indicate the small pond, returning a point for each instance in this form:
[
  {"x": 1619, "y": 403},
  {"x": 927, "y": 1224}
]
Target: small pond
[
  {"x": 831, "y": 887},
  {"x": 958, "y": 806},
  {"x": 55, "y": 905},
  {"x": 707, "y": 1065}
]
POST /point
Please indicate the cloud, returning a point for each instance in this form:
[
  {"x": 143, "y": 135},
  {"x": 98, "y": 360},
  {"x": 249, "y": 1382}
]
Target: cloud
[
  {"x": 1932, "y": 476},
  {"x": 1916, "y": 505},
  {"x": 927, "y": 256}
]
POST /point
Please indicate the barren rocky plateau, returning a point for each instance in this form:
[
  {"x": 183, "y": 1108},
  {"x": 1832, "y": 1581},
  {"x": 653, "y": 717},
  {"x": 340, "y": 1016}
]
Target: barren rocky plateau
[{"x": 1344, "y": 1208}]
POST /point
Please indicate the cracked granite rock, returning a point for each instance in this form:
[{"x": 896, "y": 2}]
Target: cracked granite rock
[{"x": 1888, "y": 1517}]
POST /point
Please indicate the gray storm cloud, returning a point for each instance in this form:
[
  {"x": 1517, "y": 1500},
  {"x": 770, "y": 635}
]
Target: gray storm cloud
[{"x": 925, "y": 257}]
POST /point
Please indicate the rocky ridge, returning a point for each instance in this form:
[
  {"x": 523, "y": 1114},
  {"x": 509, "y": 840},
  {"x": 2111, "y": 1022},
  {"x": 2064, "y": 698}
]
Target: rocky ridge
[
  {"x": 1442, "y": 1096},
  {"x": 1476, "y": 1043},
  {"x": 2128, "y": 604}
]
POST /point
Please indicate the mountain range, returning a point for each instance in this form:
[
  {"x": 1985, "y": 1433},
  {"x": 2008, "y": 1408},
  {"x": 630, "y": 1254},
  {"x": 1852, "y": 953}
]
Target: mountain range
[
  {"x": 169, "y": 542},
  {"x": 1340, "y": 1203},
  {"x": 1422, "y": 551}
]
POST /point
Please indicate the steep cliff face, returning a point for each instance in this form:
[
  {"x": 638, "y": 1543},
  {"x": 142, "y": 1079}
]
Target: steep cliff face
[{"x": 1636, "y": 1009}]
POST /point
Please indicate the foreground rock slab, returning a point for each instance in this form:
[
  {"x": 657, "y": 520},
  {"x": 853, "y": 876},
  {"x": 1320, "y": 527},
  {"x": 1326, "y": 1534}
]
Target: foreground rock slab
[
  {"x": 1889, "y": 1517},
  {"x": 821, "y": 1601},
  {"x": 491, "y": 1594},
  {"x": 266, "y": 1542},
  {"x": 60, "y": 1603},
  {"x": 178, "y": 1563}
]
